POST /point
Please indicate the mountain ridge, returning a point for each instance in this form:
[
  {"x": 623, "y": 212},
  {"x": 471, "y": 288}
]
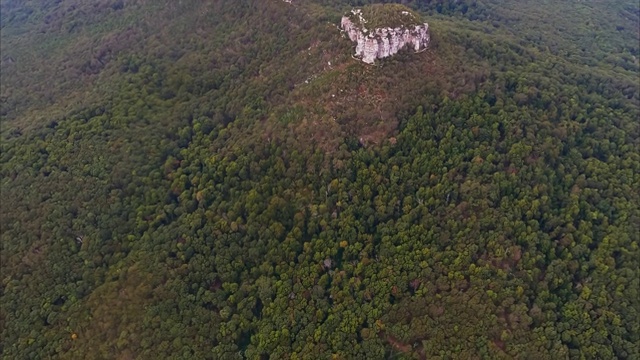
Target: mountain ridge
[{"x": 232, "y": 184}]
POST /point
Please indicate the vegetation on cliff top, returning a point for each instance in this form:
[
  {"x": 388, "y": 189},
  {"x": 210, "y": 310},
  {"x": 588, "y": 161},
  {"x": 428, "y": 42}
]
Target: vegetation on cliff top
[{"x": 377, "y": 16}]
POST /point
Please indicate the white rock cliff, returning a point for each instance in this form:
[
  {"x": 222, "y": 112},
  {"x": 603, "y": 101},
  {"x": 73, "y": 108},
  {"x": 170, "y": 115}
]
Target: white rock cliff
[{"x": 383, "y": 42}]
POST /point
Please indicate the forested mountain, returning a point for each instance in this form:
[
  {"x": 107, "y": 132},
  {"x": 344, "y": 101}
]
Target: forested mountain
[{"x": 222, "y": 180}]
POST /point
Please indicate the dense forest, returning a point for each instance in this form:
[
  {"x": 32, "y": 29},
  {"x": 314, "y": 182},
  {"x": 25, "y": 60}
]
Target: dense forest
[{"x": 222, "y": 180}]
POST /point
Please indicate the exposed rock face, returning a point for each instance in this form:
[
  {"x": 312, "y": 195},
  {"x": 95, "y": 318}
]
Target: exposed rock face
[{"x": 383, "y": 42}]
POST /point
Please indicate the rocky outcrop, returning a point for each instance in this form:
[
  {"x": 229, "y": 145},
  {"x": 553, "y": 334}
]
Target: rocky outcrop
[{"x": 382, "y": 42}]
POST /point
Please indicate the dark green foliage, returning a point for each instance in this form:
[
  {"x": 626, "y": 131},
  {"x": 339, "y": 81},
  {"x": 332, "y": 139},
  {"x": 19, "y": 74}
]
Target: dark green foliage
[{"x": 203, "y": 194}]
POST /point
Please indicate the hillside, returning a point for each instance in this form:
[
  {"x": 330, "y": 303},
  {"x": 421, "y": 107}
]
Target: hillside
[{"x": 221, "y": 180}]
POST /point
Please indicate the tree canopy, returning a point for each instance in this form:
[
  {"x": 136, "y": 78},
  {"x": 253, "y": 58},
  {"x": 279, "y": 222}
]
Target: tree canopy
[{"x": 221, "y": 180}]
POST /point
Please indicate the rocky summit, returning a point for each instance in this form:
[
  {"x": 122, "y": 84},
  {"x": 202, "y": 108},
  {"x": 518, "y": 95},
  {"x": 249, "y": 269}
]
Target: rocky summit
[{"x": 382, "y": 31}]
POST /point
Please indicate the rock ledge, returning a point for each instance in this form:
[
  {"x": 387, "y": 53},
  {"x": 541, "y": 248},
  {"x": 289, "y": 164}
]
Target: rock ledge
[{"x": 378, "y": 43}]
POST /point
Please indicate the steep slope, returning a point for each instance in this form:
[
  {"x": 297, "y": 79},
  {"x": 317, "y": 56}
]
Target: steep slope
[{"x": 232, "y": 184}]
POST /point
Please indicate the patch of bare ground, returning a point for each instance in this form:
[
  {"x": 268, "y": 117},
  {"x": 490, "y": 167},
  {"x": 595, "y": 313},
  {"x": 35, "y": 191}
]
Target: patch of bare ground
[
  {"x": 353, "y": 99},
  {"x": 403, "y": 347}
]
